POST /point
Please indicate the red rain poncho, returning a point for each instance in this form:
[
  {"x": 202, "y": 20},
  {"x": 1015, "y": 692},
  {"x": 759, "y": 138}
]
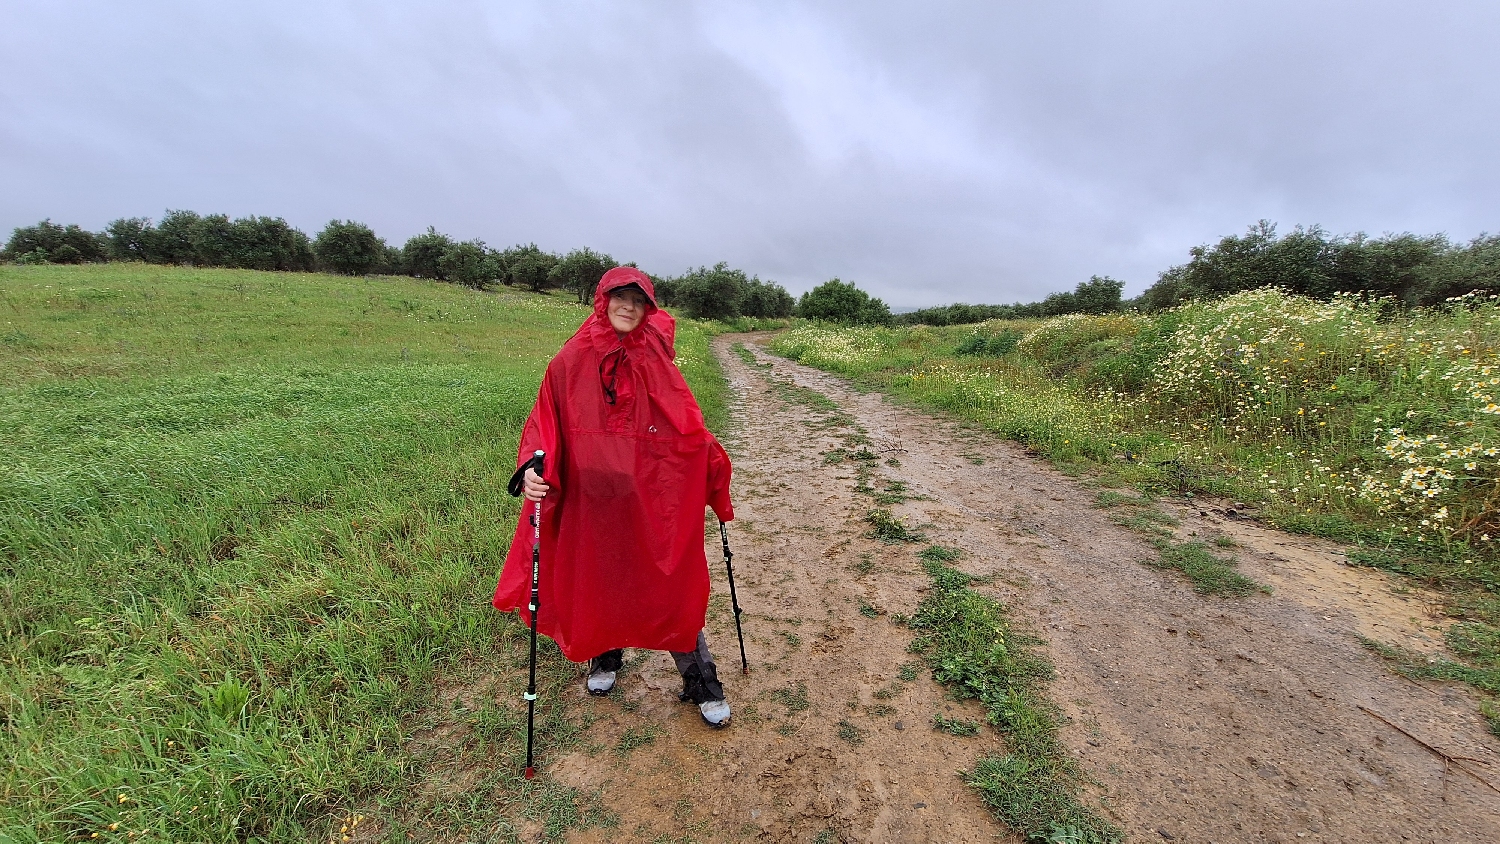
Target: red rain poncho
[{"x": 631, "y": 466}]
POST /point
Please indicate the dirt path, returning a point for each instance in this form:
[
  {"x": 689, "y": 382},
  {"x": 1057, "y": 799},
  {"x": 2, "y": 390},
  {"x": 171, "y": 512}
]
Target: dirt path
[{"x": 1201, "y": 719}]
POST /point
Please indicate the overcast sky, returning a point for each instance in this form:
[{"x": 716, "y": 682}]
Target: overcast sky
[{"x": 930, "y": 152}]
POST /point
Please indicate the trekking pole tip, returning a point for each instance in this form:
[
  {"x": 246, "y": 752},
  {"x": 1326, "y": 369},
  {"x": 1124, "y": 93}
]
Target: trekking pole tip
[{"x": 530, "y": 772}]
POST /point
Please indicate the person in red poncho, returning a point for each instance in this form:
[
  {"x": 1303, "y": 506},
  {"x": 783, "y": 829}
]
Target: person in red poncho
[{"x": 629, "y": 468}]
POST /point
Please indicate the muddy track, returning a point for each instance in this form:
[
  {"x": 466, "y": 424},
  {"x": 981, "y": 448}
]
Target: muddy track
[{"x": 1198, "y": 719}]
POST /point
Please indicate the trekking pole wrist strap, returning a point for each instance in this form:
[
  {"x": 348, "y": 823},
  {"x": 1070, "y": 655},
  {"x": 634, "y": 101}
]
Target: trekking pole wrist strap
[{"x": 518, "y": 481}]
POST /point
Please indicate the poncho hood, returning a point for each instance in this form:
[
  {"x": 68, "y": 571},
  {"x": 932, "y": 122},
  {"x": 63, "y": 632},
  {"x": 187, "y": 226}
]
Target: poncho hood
[
  {"x": 658, "y": 327},
  {"x": 632, "y": 467}
]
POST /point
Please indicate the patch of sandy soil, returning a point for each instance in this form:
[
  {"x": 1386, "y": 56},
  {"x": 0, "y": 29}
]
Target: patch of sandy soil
[{"x": 1198, "y": 719}]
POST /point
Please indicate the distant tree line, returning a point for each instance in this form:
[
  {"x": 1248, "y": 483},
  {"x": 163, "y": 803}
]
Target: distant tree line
[
  {"x": 1415, "y": 270},
  {"x": 352, "y": 248},
  {"x": 1098, "y": 295}
]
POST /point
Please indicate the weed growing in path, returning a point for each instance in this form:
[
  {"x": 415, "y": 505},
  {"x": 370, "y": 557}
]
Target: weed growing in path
[
  {"x": 955, "y": 726},
  {"x": 850, "y": 733},
  {"x": 635, "y": 737},
  {"x": 1485, "y": 677},
  {"x": 967, "y": 640},
  {"x": 1210, "y": 574},
  {"x": 1115, "y": 498},
  {"x": 888, "y": 529},
  {"x": 794, "y": 698},
  {"x": 1148, "y": 521}
]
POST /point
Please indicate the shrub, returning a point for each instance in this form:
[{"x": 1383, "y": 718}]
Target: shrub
[
  {"x": 348, "y": 248},
  {"x": 710, "y": 293},
  {"x": 842, "y": 302},
  {"x": 471, "y": 264},
  {"x": 1069, "y": 345},
  {"x": 989, "y": 339},
  {"x": 580, "y": 271},
  {"x": 128, "y": 238},
  {"x": 725, "y": 294},
  {"x": 421, "y": 255},
  {"x": 269, "y": 243},
  {"x": 47, "y": 242},
  {"x": 766, "y": 300},
  {"x": 1098, "y": 295},
  {"x": 174, "y": 239},
  {"x": 527, "y": 266},
  {"x": 213, "y": 240},
  {"x": 958, "y": 314}
]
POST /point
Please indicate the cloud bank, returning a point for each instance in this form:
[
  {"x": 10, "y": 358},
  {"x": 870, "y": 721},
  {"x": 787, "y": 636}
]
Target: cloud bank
[{"x": 981, "y": 152}]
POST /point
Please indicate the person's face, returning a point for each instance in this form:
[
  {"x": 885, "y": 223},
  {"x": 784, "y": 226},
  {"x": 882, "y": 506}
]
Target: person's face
[{"x": 627, "y": 307}]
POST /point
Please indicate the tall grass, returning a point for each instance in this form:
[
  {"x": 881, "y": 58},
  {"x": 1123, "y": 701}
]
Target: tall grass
[{"x": 249, "y": 524}]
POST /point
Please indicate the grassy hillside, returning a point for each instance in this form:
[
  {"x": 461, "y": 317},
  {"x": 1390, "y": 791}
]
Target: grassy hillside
[{"x": 249, "y": 524}]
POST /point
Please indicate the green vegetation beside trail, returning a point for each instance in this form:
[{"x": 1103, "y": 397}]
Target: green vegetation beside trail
[
  {"x": 1350, "y": 418},
  {"x": 968, "y": 642},
  {"x": 696, "y": 360},
  {"x": 249, "y": 527}
]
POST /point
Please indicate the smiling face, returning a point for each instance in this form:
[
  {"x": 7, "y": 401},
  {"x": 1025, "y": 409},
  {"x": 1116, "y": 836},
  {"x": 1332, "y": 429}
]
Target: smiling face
[{"x": 627, "y": 307}]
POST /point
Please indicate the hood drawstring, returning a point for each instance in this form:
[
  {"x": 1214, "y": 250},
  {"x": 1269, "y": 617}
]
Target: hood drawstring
[{"x": 609, "y": 367}]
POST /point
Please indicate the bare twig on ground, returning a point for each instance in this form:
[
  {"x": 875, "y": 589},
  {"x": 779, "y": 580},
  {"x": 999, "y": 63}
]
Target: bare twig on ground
[{"x": 1448, "y": 758}]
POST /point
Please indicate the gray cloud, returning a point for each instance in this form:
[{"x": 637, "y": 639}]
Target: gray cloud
[{"x": 931, "y": 153}]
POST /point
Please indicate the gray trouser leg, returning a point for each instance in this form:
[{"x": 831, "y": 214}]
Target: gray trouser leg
[
  {"x": 700, "y": 677},
  {"x": 608, "y": 661}
]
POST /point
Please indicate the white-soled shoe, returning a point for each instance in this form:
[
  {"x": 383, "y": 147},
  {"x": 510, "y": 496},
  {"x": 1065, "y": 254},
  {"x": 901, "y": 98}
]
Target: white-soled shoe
[
  {"x": 715, "y": 713},
  {"x": 600, "y": 683}
]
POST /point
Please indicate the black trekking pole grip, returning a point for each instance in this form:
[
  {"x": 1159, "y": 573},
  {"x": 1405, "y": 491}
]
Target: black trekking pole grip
[
  {"x": 734, "y": 599},
  {"x": 536, "y": 462}
]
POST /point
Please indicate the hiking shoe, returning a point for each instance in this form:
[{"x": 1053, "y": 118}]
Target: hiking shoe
[
  {"x": 715, "y": 713},
  {"x": 601, "y": 682},
  {"x": 602, "y": 670}
]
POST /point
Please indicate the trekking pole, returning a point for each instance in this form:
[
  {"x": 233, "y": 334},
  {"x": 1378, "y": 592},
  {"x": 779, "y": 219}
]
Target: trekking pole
[
  {"x": 733, "y": 598},
  {"x": 536, "y": 570}
]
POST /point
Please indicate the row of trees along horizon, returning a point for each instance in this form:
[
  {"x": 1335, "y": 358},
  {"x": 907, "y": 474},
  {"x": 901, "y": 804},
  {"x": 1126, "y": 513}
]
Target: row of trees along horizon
[
  {"x": 1413, "y": 270},
  {"x": 352, "y": 248}
]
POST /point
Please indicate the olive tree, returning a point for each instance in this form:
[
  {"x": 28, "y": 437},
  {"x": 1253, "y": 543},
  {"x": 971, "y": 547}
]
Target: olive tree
[
  {"x": 842, "y": 302},
  {"x": 471, "y": 264},
  {"x": 348, "y": 248},
  {"x": 422, "y": 255},
  {"x": 580, "y": 271},
  {"x": 47, "y": 242}
]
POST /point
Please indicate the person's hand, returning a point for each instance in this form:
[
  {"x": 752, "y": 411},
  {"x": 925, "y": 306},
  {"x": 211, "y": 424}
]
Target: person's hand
[{"x": 534, "y": 488}]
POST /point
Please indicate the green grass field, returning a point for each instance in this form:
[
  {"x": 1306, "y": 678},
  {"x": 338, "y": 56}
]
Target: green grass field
[{"x": 249, "y": 527}]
